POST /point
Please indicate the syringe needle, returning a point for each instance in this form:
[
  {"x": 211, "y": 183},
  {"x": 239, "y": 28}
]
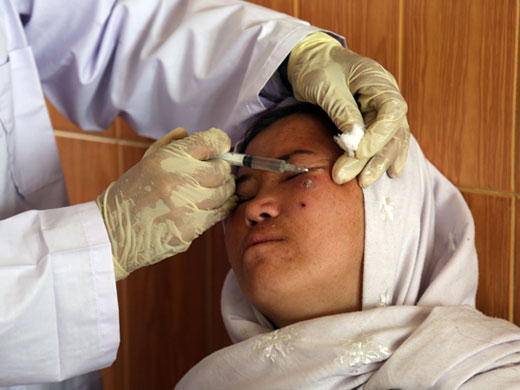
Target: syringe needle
[{"x": 295, "y": 168}]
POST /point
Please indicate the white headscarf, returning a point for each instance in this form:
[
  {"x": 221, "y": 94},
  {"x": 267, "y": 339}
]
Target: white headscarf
[{"x": 417, "y": 328}]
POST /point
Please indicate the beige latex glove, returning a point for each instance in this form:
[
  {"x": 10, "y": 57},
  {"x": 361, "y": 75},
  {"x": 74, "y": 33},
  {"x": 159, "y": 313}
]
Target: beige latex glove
[
  {"x": 324, "y": 73},
  {"x": 158, "y": 207}
]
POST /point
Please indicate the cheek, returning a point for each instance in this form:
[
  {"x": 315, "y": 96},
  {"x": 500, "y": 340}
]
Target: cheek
[
  {"x": 307, "y": 190},
  {"x": 317, "y": 199}
]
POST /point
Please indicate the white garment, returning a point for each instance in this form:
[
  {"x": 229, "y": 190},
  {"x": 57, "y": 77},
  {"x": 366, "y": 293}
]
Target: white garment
[
  {"x": 417, "y": 330},
  {"x": 159, "y": 64}
]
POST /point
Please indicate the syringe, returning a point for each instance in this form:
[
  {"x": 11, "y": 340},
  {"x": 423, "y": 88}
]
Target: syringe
[{"x": 257, "y": 162}]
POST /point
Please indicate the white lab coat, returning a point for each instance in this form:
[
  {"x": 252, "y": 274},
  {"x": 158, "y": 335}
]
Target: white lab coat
[{"x": 159, "y": 64}]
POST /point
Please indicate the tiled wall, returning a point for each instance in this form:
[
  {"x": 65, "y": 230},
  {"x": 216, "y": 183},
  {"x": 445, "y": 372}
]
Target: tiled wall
[{"x": 457, "y": 65}]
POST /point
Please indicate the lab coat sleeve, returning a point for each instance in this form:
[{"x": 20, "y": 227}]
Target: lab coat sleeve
[
  {"x": 158, "y": 64},
  {"x": 58, "y": 302}
]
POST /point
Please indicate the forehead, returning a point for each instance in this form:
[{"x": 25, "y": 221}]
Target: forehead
[{"x": 297, "y": 131}]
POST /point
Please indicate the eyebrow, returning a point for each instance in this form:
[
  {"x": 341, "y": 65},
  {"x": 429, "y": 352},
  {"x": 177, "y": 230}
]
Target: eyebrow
[{"x": 285, "y": 157}]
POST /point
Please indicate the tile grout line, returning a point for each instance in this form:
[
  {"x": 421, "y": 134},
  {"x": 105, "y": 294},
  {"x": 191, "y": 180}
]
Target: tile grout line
[
  {"x": 208, "y": 293},
  {"x": 124, "y": 316},
  {"x": 516, "y": 128},
  {"x": 482, "y": 191},
  {"x": 100, "y": 139},
  {"x": 400, "y": 36},
  {"x": 512, "y": 263},
  {"x": 516, "y": 97}
]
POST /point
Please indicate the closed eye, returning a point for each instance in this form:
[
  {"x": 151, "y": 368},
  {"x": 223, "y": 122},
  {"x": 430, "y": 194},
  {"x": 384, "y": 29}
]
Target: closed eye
[
  {"x": 290, "y": 177},
  {"x": 284, "y": 179}
]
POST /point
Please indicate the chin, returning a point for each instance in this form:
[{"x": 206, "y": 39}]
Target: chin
[{"x": 264, "y": 292}]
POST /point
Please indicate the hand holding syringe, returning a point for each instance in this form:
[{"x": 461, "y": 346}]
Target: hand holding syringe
[{"x": 257, "y": 162}]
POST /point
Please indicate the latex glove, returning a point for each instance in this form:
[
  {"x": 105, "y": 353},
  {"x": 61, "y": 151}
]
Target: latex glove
[
  {"x": 158, "y": 207},
  {"x": 324, "y": 73}
]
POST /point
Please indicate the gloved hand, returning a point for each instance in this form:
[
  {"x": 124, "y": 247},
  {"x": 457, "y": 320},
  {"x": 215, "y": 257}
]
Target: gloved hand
[
  {"x": 324, "y": 73},
  {"x": 158, "y": 207}
]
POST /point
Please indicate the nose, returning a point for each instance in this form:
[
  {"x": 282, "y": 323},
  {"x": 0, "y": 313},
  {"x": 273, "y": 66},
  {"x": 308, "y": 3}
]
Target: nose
[{"x": 261, "y": 209}]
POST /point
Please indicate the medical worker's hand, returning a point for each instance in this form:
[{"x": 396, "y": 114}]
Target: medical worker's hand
[
  {"x": 322, "y": 72},
  {"x": 159, "y": 206}
]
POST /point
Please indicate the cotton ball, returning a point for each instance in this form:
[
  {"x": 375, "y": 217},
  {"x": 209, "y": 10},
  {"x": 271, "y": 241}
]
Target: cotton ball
[{"x": 349, "y": 141}]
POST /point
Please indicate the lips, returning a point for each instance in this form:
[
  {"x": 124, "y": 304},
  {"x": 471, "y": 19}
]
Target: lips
[{"x": 260, "y": 238}]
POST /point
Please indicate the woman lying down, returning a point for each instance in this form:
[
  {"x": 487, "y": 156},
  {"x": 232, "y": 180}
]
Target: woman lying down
[{"x": 335, "y": 287}]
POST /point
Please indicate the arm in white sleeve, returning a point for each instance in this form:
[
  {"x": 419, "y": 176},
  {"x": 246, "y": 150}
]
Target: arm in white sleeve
[
  {"x": 58, "y": 302},
  {"x": 159, "y": 64}
]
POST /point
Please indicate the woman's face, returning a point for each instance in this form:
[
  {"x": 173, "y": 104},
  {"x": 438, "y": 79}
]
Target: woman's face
[{"x": 295, "y": 241}]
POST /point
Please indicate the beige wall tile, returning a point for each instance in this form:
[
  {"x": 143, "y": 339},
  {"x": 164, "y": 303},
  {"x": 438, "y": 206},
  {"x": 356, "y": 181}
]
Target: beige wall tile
[
  {"x": 285, "y": 6},
  {"x": 124, "y": 130},
  {"x": 493, "y": 217},
  {"x": 61, "y": 123},
  {"x": 458, "y": 73},
  {"x": 370, "y": 27},
  {"x": 89, "y": 167}
]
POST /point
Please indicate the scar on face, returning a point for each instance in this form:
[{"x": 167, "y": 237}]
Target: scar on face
[{"x": 308, "y": 183}]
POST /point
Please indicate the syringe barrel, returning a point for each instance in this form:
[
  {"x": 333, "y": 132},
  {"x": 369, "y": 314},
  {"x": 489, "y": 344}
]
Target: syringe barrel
[{"x": 270, "y": 164}]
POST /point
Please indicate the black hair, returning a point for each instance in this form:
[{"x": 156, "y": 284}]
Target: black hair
[{"x": 270, "y": 116}]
